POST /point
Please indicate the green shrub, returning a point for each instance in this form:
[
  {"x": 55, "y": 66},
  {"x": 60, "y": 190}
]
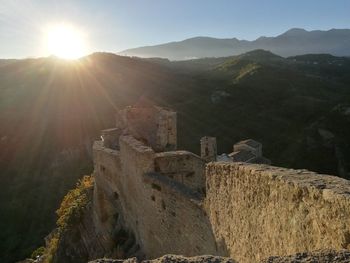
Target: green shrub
[
  {"x": 74, "y": 203},
  {"x": 69, "y": 214},
  {"x": 38, "y": 252}
]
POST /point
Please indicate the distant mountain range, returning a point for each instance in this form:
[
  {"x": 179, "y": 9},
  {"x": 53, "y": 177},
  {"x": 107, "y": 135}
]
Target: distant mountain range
[{"x": 294, "y": 42}]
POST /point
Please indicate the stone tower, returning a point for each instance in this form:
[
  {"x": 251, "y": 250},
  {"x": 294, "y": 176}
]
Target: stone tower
[
  {"x": 154, "y": 126},
  {"x": 208, "y": 149}
]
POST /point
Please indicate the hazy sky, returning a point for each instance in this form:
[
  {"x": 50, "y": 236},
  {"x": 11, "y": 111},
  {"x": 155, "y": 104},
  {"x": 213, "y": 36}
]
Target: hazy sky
[{"x": 116, "y": 25}]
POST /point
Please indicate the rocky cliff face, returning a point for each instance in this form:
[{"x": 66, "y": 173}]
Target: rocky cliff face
[
  {"x": 81, "y": 242},
  {"x": 76, "y": 238}
]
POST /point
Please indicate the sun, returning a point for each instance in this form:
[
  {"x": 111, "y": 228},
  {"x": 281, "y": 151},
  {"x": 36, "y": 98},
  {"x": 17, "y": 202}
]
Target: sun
[{"x": 65, "y": 41}]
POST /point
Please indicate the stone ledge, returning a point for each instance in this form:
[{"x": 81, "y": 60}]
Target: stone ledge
[
  {"x": 331, "y": 186},
  {"x": 135, "y": 144},
  {"x": 98, "y": 146},
  {"x": 175, "y": 154}
]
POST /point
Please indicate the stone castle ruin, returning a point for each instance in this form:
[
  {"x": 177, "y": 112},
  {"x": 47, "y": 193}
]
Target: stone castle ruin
[
  {"x": 151, "y": 199},
  {"x": 248, "y": 151}
]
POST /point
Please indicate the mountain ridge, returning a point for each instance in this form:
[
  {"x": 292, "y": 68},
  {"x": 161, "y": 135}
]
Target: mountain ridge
[{"x": 293, "y": 42}]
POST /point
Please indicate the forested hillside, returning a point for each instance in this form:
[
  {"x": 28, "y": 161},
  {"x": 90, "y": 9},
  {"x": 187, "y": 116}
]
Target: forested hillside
[{"x": 51, "y": 110}]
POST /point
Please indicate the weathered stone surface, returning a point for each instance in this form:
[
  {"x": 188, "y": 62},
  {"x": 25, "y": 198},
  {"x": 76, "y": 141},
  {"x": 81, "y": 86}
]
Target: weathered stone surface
[
  {"x": 135, "y": 183},
  {"x": 259, "y": 210},
  {"x": 198, "y": 259},
  {"x": 107, "y": 260},
  {"x": 154, "y": 126},
  {"x": 171, "y": 259},
  {"x": 327, "y": 256},
  {"x": 208, "y": 149},
  {"x": 110, "y": 137},
  {"x": 182, "y": 166}
]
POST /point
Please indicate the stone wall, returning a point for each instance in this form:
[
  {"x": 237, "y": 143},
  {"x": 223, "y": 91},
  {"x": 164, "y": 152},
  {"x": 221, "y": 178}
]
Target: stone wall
[
  {"x": 135, "y": 183},
  {"x": 258, "y": 210},
  {"x": 249, "y": 213},
  {"x": 110, "y": 137},
  {"x": 208, "y": 148},
  {"x": 175, "y": 221},
  {"x": 108, "y": 210},
  {"x": 154, "y": 126},
  {"x": 182, "y": 166},
  {"x": 167, "y": 130}
]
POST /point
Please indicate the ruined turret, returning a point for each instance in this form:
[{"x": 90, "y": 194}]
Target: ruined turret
[
  {"x": 110, "y": 137},
  {"x": 208, "y": 149},
  {"x": 154, "y": 126}
]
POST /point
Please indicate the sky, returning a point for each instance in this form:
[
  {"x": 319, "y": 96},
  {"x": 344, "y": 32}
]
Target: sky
[{"x": 116, "y": 25}]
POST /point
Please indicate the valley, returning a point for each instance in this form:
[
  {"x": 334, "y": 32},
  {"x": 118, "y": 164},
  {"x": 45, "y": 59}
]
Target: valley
[{"x": 52, "y": 110}]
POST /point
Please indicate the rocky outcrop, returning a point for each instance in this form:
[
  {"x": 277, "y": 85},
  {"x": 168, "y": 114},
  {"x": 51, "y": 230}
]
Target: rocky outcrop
[
  {"x": 77, "y": 237},
  {"x": 80, "y": 243},
  {"x": 171, "y": 259},
  {"x": 326, "y": 256}
]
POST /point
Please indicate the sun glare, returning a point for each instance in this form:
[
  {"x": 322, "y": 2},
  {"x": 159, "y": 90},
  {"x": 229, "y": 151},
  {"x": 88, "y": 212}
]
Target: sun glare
[{"x": 65, "y": 41}]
